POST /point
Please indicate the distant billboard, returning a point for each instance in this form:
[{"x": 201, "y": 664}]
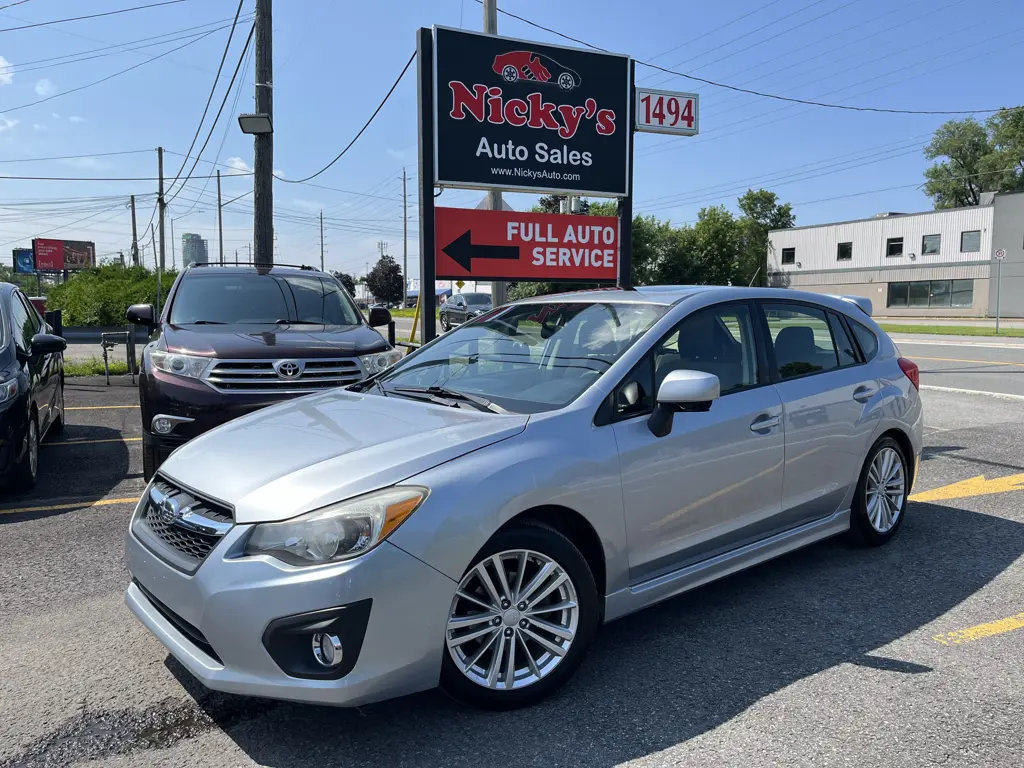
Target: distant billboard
[
  {"x": 24, "y": 261},
  {"x": 58, "y": 255}
]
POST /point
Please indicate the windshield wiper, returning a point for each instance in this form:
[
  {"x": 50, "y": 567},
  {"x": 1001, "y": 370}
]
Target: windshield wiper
[
  {"x": 298, "y": 322},
  {"x": 207, "y": 322},
  {"x": 441, "y": 393}
]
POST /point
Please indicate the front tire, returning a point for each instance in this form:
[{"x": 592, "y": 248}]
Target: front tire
[
  {"x": 27, "y": 470},
  {"x": 57, "y": 427},
  {"x": 521, "y": 620},
  {"x": 880, "y": 502},
  {"x": 445, "y": 325}
]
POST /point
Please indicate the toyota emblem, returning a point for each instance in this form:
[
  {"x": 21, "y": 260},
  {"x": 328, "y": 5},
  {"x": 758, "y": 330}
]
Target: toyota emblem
[{"x": 289, "y": 369}]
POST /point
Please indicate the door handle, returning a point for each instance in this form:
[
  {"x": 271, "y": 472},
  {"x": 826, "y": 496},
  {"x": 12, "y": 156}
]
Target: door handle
[
  {"x": 863, "y": 393},
  {"x": 764, "y": 423}
]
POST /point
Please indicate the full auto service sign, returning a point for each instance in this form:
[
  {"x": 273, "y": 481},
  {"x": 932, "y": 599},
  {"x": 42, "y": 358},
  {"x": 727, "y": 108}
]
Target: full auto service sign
[{"x": 518, "y": 115}]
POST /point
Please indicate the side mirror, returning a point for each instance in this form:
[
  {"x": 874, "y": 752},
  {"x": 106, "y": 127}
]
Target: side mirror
[
  {"x": 47, "y": 343},
  {"x": 682, "y": 391},
  {"x": 142, "y": 314},
  {"x": 379, "y": 316}
]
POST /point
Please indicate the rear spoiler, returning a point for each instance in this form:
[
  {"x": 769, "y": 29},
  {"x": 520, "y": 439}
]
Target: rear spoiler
[{"x": 862, "y": 303}]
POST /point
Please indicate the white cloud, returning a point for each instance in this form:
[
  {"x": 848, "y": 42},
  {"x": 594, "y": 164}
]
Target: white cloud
[
  {"x": 239, "y": 164},
  {"x": 76, "y": 119},
  {"x": 55, "y": 116},
  {"x": 6, "y": 72},
  {"x": 45, "y": 87},
  {"x": 279, "y": 172},
  {"x": 398, "y": 154},
  {"x": 40, "y": 127},
  {"x": 6, "y": 123}
]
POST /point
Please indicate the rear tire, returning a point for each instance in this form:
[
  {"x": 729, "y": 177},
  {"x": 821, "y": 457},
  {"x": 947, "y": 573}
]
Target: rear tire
[
  {"x": 445, "y": 325},
  {"x": 545, "y": 627},
  {"x": 880, "y": 501}
]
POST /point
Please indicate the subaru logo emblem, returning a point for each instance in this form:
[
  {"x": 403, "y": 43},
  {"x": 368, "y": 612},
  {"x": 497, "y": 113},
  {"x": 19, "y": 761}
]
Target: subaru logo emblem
[
  {"x": 169, "y": 510},
  {"x": 288, "y": 369}
]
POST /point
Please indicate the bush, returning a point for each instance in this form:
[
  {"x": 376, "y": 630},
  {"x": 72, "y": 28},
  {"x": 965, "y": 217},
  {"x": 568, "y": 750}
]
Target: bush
[{"x": 102, "y": 295}]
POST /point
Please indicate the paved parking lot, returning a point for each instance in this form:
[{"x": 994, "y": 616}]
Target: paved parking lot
[{"x": 909, "y": 655}]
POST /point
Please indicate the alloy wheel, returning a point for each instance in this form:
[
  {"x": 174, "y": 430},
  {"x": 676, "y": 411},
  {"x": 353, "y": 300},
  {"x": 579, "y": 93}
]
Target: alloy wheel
[
  {"x": 885, "y": 489},
  {"x": 33, "y": 447},
  {"x": 513, "y": 619}
]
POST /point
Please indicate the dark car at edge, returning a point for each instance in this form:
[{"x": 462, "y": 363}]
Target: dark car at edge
[
  {"x": 233, "y": 339},
  {"x": 31, "y": 387}
]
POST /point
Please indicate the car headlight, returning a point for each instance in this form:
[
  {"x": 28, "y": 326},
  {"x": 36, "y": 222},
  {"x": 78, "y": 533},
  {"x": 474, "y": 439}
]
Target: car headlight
[
  {"x": 9, "y": 390},
  {"x": 181, "y": 365},
  {"x": 380, "y": 361},
  {"x": 338, "y": 532}
]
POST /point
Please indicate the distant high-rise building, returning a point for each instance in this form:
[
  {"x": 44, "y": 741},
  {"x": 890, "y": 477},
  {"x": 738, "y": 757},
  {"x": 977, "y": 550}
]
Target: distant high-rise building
[{"x": 193, "y": 250}]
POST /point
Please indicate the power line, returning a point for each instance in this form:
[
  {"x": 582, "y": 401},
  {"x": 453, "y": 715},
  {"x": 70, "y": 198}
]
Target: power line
[
  {"x": 111, "y": 77},
  {"x": 97, "y": 178},
  {"x": 365, "y": 126},
  {"x": 11, "y": 5},
  {"x": 76, "y": 157},
  {"x": 845, "y": 107},
  {"x": 716, "y": 29},
  {"x": 91, "y": 16},
  {"x": 213, "y": 90},
  {"x": 220, "y": 111}
]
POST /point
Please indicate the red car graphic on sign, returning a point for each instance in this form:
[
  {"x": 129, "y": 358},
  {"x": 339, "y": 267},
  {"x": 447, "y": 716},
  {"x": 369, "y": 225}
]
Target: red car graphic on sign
[{"x": 527, "y": 65}]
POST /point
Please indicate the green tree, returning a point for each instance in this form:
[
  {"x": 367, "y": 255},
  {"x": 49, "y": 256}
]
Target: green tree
[
  {"x": 959, "y": 179},
  {"x": 385, "y": 280},
  {"x": 102, "y": 295},
  {"x": 1004, "y": 167},
  {"x": 762, "y": 213},
  {"x": 347, "y": 280},
  {"x": 553, "y": 204}
]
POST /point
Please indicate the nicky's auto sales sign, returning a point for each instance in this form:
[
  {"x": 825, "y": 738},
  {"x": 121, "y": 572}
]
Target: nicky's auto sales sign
[{"x": 518, "y": 115}]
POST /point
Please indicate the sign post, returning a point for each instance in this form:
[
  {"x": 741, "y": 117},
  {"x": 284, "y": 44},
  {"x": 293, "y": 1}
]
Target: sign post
[
  {"x": 999, "y": 256},
  {"x": 425, "y": 93}
]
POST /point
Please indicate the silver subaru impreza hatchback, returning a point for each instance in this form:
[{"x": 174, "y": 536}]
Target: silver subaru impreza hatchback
[{"x": 471, "y": 516}]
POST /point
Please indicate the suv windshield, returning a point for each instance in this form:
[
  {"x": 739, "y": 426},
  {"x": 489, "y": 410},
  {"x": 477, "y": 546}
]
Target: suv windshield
[
  {"x": 239, "y": 298},
  {"x": 477, "y": 299},
  {"x": 528, "y": 358}
]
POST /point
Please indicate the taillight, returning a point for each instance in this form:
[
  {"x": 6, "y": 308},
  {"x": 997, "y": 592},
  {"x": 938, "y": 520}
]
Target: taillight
[{"x": 911, "y": 371}]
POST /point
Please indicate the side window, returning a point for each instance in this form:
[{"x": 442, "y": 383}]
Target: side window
[
  {"x": 718, "y": 340},
  {"x": 801, "y": 338},
  {"x": 846, "y": 348},
  {"x": 866, "y": 339},
  {"x": 635, "y": 394},
  {"x": 22, "y": 323}
]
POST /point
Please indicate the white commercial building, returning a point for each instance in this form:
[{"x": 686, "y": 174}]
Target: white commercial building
[{"x": 939, "y": 263}]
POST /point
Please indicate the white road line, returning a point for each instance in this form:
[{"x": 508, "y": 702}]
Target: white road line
[
  {"x": 957, "y": 390},
  {"x": 978, "y": 344}
]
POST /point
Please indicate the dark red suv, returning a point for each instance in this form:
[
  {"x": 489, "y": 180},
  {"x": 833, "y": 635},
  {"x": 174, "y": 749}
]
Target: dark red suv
[{"x": 232, "y": 339}]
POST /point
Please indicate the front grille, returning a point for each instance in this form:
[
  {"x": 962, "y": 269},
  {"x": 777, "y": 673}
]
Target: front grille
[
  {"x": 181, "y": 544},
  {"x": 262, "y": 376},
  {"x": 192, "y": 633}
]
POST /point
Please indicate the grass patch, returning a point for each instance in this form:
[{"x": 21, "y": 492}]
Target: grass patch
[
  {"x": 953, "y": 330},
  {"x": 403, "y": 312},
  {"x": 94, "y": 367}
]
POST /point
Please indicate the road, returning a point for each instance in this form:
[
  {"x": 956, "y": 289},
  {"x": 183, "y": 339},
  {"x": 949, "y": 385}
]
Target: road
[
  {"x": 828, "y": 656},
  {"x": 986, "y": 364}
]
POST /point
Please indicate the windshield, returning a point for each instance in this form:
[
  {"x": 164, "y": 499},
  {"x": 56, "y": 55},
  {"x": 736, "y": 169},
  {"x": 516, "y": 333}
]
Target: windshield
[
  {"x": 528, "y": 358},
  {"x": 477, "y": 299},
  {"x": 239, "y": 298}
]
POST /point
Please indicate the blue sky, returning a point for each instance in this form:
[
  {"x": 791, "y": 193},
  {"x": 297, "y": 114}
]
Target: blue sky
[{"x": 334, "y": 60}]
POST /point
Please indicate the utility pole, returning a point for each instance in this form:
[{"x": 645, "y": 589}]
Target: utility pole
[
  {"x": 156, "y": 265},
  {"x": 405, "y": 243},
  {"x": 498, "y": 290},
  {"x": 321, "y": 239},
  {"x": 163, "y": 206},
  {"x": 173, "y": 257},
  {"x": 263, "y": 163},
  {"x": 220, "y": 219},
  {"x": 135, "y": 236},
  {"x": 249, "y": 246}
]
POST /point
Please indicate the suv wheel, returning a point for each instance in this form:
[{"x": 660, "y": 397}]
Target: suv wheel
[
  {"x": 60, "y": 419},
  {"x": 445, "y": 325},
  {"x": 521, "y": 619},
  {"x": 27, "y": 469},
  {"x": 881, "y": 497}
]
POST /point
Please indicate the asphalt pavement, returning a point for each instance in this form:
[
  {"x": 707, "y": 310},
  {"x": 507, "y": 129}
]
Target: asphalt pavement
[{"x": 908, "y": 655}]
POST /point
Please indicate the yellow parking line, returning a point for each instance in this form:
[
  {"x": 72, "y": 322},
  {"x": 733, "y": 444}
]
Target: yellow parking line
[
  {"x": 96, "y": 407},
  {"x": 75, "y": 505},
  {"x": 91, "y": 442},
  {"x": 961, "y": 360},
  {"x": 981, "y": 631}
]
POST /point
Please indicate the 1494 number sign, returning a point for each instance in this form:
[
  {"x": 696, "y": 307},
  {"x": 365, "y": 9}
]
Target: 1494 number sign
[{"x": 666, "y": 112}]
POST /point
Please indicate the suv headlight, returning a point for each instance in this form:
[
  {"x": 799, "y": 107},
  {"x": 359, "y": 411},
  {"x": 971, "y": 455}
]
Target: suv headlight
[
  {"x": 9, "y": 390},
  {"x": 380, "y": 361},
  {"x": 181, "y": 365},
  {"x": 338, "y": 532}
]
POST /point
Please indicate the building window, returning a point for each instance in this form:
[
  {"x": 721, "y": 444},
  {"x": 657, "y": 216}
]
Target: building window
[
  {"x": 789, "y": 255},
  {"x": 845, "y": 252},
  {"x": 894, "y": 246},
  {"x": 970, "y": 242},
  {"x": 936, "y": 294},
  {"x": 930, "y": 245}
]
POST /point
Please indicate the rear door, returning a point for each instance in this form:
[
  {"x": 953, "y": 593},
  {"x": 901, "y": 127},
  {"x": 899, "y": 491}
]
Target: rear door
[
  {"x": 714, "y": 483},
  {"x": 828, "y": 400}
]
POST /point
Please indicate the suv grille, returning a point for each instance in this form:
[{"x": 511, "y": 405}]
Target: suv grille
[
  {"x": 185, "y": 539},
  {"x": 272, "y": 375}
]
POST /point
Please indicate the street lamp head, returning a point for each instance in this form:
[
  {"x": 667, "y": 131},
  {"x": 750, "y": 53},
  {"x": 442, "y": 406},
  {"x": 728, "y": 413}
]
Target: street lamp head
[{"x": 255, "y": 123}]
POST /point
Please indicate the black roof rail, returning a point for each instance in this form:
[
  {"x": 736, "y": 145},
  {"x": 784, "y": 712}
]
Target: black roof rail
[{"x": 250, "y": 264}]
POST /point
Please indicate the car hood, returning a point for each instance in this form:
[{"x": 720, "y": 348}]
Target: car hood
[
  {"x": 244, "y": 342},
  {"x": 306, "y": 453}
]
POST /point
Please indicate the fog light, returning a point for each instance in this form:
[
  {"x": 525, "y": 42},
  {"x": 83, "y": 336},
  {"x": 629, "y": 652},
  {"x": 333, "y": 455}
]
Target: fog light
[
  {"x": 162, "y": 426},
  {"x": 327, "y": 649}
]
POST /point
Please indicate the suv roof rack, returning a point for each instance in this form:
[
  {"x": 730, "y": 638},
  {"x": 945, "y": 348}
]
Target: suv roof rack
[{"x": 250, "y": 264}]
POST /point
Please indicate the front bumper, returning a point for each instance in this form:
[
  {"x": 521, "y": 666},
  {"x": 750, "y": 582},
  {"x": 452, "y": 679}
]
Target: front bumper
[{"x": 231, "y": 601}]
